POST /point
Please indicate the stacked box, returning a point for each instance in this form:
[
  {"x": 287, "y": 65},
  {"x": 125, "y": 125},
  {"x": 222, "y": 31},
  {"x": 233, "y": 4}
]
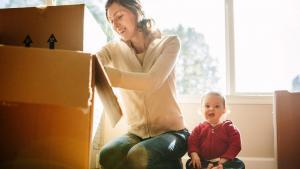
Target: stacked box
[{"x": 47, "y": 96}]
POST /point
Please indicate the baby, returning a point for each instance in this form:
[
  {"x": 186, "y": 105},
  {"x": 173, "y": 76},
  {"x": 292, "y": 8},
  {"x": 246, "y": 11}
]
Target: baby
[{"x": 215, "y": 143}]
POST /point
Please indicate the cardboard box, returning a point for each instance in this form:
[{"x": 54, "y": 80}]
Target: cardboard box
[
  {"x": 73, "y": 26},
  {"x": 46, "y": 108},
  {"x": 286, "y": 125},
  {"x": 49, "y": 108}
]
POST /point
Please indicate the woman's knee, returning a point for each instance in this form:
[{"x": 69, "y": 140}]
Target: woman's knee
[
  {"x": 115, "y": 152},
  {"x": 137, "y": 157},
  {"x": 104, "y": 156},
  {"x": 111, "y": 154}
]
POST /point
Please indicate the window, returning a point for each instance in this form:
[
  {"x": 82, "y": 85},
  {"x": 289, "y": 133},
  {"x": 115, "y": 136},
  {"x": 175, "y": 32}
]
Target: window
[
  {"x": 200, "y": 24},
  {"x": 267, "y": 38}
]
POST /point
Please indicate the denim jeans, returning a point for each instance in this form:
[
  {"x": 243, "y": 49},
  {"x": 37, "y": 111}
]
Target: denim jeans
[{"x": 132, "y": 152}]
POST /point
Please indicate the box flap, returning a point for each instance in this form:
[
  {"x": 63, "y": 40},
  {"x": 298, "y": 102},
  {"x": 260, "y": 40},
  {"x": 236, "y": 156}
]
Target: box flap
[{"x": 104, "y": 90}]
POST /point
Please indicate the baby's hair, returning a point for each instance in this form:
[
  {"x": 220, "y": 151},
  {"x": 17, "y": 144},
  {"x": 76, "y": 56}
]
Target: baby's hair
[{"x": 215, "y": 94}]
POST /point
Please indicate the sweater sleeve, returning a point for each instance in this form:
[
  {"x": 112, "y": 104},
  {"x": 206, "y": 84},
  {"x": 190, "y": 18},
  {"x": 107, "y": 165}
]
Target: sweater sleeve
[
  {"x": 155, "y": 77},
  {"x": 194, "y": 140},
  {"x": 103, "y": 56},
  {"x": 234, "y": 142}
]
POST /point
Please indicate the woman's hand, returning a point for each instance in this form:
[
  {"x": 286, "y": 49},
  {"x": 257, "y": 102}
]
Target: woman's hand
[{"x": 195, "y": 160}]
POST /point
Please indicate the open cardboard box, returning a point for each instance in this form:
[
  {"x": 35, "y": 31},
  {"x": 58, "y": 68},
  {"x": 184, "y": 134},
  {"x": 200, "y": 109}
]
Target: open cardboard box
[
  {"x": 47, "y": 107},
  {"x": 47, "y": 97}
]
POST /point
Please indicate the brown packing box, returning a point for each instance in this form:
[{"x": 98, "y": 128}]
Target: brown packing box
[
  {"x": 73, "y": 26},
  {"x": 287, "y": 115},
  {"x": 47, "y": 107},
  {"x": 47, "y": 97}
]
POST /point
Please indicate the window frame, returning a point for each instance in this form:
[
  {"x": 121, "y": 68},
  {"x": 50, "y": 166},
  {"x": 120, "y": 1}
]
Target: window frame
[{"x": 233, "y": 96}]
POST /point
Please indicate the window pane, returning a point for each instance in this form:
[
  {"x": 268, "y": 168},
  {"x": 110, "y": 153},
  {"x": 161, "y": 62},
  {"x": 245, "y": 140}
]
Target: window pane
[
  {"x": 200, "y": 24},
  {"x": 267, "y": 38}
]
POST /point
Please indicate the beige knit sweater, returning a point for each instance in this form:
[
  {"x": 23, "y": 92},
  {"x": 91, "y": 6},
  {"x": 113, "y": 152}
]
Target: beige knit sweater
[{"x": 148, "y": 88}]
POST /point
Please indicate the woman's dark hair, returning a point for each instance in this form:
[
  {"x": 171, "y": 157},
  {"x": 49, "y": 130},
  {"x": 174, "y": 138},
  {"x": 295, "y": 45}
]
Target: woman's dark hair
[{"x": 135, "y": 6}]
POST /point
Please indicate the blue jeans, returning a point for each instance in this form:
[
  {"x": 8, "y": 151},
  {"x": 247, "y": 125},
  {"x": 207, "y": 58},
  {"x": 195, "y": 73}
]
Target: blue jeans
[{"x": 132, "y": 152}]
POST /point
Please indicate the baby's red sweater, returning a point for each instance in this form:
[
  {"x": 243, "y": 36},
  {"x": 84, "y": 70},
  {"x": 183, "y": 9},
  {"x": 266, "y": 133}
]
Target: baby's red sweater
[{"x": 210, "y": 142}]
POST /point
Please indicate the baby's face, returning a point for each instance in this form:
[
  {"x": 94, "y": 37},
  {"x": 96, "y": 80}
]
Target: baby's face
[{"x": 213, "y": 108}]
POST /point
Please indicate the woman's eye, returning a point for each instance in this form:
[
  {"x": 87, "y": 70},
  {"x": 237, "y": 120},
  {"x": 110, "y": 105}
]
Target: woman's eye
[{"x": 120, "y": 16}]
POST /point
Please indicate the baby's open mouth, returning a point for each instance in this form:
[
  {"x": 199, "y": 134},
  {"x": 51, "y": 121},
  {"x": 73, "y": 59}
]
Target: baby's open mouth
[{"x": 211, "y": 114}]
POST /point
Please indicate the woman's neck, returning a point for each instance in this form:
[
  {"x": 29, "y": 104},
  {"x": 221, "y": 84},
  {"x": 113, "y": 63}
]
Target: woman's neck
[{"x": 140, "y": 42}]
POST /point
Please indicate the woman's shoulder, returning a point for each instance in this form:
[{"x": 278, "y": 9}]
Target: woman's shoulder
[
  {"x": 174, "y": 38},
  {"x": 167, "y": 41}
]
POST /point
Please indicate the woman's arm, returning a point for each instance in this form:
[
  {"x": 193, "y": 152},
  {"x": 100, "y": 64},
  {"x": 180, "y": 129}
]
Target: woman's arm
[
  {"x": 153, "y": 79},
  {"x": 103, "y": 56}
]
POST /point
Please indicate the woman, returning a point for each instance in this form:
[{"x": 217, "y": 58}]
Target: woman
[{"x": 142, "y": 65}]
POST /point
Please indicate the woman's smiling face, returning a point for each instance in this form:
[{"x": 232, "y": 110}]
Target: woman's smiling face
[
  {"x": 123, "y": 21},
  {"x": 213, "y": 108}
]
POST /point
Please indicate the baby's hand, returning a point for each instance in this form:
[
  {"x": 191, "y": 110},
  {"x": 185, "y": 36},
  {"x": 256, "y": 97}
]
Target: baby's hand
[
  {"x": 195, "y": 160},
  {"x": 220, "y": 166},
  {"x": 210, "y": 166},
  {"x": 221, "y": 162}
]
